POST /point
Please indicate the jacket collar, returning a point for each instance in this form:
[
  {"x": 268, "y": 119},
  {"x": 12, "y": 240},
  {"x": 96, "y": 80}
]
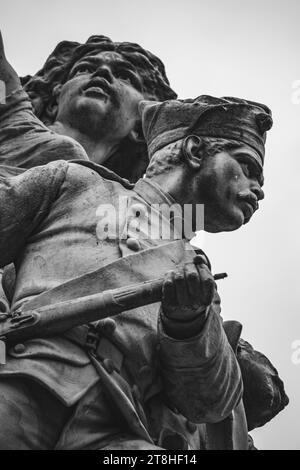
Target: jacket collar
[{"x": 152, "y": 193}]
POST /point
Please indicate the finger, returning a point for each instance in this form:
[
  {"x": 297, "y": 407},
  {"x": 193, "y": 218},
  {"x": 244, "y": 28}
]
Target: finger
[
  {"x": 182, "y": 293},
  {"x": 207, "y": 284},
  {"x": 2, "y": 53},
  {"x": 200, "y": 259},
  {"x": 168, "y": 290},
  {"x": 193, "y": 281}
]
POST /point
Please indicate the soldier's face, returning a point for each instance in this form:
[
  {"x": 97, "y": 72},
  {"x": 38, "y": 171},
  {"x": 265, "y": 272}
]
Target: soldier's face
[
  {"x": 231, "y": 188},
  {"x": 101, "y": 97}
]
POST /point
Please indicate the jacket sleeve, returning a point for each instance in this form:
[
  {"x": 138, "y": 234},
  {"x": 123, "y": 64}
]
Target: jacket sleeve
[
  {"x": 24, "y": 201},
  {"x": 25, "y": 142},
  {"x": 200, "y": 375}
]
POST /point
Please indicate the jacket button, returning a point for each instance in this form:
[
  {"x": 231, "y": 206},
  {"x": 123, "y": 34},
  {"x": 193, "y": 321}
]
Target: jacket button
[
  {"x": 19, "y": 348},
  {"x": 133, "y": 244},
  {"x": 108, "y": 365},
  {"x": 191, "y": 427},
  {"x": 108, "y": 325}
]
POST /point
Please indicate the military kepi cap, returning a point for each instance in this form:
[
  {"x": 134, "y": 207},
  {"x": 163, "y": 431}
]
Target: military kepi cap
[{"x": 245, "y": 122}]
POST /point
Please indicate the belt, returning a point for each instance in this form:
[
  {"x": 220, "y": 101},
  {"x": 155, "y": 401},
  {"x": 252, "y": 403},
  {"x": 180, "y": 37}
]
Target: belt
[
  {"x": 108, "y": 361},
  {"x": 92, "y": 340}
]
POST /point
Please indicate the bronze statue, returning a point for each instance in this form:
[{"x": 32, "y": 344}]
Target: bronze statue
[
  {"x": 56, "y": 241},
  {"x": 187, "y": 158}
]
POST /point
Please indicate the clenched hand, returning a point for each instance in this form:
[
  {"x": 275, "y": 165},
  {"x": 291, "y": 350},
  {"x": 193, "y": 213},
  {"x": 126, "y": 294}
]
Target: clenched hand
[{"x": 188, "y": 291}]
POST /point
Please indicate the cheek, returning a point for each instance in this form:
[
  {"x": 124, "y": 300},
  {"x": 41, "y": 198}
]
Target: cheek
[
  {"x": 127, "y": 117},
  {"x": 225, "y": 182},
  {"x": 71, "y": 89},
  {"x": 64, "y": 100},
  {"x": 232, "y": 180},
  {"x": 130, "y": 100},
  {"x": 231, "y": 188}
]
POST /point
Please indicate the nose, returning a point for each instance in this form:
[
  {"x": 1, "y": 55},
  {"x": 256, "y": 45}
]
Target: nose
[
  {"x": 104, "y": 71},
  {"x": 257, "y": 190}
]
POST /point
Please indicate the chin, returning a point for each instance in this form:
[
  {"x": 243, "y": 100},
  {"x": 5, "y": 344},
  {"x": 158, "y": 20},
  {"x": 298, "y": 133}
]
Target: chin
[
  {"x": 92, "y": 106},
  {"x": 223, "y": 228},
  {"x": 226, "y": 224},
  {"x": 247, "y": 220},
  {"x": 90, "y": 117}
]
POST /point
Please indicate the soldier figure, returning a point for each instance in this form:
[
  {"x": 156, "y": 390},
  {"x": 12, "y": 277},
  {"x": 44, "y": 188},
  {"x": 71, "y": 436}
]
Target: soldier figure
[
  {"x": 205, "y": 151},
  {"x": 51, "y": 383}
]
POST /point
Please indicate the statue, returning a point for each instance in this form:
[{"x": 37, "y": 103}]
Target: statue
[
  {"x": 189, "y": 143},
  {"x": 50, "y": 91}
]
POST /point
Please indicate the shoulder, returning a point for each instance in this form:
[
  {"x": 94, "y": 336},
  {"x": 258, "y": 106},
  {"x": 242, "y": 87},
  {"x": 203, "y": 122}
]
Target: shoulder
[
  {"x": 44, "y": 177},
  {"x": 66, "y": 148},
  {"x": 50, "y": 176},
  {"x": 87, "y": 169}
]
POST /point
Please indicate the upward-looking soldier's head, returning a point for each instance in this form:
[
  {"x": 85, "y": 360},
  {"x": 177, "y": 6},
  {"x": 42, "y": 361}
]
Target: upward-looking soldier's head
[
  {"x": 209, "y": 151},
  {"x": 93, "y": 89}
]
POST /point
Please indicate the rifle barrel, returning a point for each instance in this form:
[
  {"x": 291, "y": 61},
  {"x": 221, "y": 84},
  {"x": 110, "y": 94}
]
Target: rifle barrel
[{"x": 60, "y": 317}]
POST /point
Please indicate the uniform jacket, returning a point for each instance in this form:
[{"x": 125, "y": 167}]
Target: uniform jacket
[{"x": 51, "y": 227}]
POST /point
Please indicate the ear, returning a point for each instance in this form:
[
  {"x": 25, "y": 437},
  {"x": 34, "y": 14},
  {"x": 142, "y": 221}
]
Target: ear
[
  {"x": 52, "y": 107},
  {"x": 193, "y": 149},
  {"x": 136, "y": 135}
]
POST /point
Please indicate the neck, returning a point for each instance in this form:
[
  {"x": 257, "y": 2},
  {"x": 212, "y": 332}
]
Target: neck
[
  {"x": 97, "y": 152},
  {"x": 183, "y": 188},
  {"x": 177, "y": 183}
]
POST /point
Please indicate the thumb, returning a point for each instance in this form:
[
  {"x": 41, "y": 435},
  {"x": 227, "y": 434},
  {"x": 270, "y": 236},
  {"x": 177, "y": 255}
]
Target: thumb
[{"x": 7, "y": 73}]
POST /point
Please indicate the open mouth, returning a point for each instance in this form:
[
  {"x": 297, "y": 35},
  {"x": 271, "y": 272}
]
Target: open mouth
[
  {"x": 98, "y": 88},
  {"x": 95, "y": 92}
]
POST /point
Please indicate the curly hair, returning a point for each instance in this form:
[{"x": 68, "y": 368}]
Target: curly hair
[
  {"x": 58, "y": 65},
  {"x": 40, "y": 88}
]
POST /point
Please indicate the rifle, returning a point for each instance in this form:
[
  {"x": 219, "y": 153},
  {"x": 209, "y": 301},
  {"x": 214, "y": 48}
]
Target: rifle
[
  {"x": 60, "y": 317},
  {"x": 57, "y": 318}
]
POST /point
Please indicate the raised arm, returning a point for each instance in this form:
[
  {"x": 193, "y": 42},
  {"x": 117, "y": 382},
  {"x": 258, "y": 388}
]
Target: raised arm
[
  {"x": 25, "y": 141},
  {"x": 8, "y": 75}
]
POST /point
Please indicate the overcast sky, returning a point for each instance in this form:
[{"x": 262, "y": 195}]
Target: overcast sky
[{"x": 218, "y": 47}]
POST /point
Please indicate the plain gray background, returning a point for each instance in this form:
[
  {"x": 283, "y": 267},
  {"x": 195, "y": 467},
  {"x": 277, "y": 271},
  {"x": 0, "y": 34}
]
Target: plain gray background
[{"x": 218, "y": 47}]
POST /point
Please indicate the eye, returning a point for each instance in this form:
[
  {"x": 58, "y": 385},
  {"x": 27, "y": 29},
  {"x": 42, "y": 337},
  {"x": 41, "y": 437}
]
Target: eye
[
  {"x": 246, "y": 169},
  {"x": 125, "y": 75},
  {"x": 251, "y": 172},
  {"x": 82, "y": 69},
  {"x": 129, "y": 77}
]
